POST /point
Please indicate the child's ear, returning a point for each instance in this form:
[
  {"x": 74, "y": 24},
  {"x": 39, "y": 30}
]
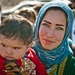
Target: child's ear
[{"x": 30, "y": 45}]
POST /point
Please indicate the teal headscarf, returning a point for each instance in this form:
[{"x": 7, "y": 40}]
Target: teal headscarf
[{"x": 57, "y": 55}]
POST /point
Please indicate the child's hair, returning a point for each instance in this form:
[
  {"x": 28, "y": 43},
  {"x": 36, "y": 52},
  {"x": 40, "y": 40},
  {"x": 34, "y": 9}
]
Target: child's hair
[{"x": 17, "y": 27}]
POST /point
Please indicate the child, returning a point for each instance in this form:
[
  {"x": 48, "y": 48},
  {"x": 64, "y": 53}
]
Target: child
[{"x": 16, "y": 58}]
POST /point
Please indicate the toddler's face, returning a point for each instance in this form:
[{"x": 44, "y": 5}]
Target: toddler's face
[{"x": 12, "y": 49}]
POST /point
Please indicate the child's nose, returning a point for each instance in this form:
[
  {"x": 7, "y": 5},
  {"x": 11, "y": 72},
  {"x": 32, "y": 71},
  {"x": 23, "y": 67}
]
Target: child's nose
[{"x": 9, "y": 51}]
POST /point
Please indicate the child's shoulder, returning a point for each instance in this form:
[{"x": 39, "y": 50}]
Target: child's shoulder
[
  {"x": 33, "y": 57},
  {"x": 31, "y": 52},
  {"x": 40, "y": 68}
]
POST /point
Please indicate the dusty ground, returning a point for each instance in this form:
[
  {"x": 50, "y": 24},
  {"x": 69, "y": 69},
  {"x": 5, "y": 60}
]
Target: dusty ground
[{"x": 7, "y": 4}]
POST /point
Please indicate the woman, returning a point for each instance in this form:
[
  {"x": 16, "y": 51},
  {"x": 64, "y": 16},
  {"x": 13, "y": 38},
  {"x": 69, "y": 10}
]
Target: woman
[{"x": 52, "y": 29}]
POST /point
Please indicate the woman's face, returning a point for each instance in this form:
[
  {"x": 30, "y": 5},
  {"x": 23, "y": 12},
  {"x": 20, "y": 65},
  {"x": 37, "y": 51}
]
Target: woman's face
[{"x": 52, "y": 29}]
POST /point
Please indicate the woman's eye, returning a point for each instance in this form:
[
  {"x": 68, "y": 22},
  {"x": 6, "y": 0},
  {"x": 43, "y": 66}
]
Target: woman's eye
[
  {"x": 59, "y": 28},
  {"x": 45, "y": 24}
]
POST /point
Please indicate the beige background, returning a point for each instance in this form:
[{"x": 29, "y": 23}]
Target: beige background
[{"x": 7, "y": 4}]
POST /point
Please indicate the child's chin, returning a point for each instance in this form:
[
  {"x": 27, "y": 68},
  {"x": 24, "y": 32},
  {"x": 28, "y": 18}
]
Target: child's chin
[{"x": 10, "y": 58}]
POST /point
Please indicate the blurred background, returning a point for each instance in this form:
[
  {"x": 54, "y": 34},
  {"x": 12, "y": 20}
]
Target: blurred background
[{"x": 7, "y": 4}]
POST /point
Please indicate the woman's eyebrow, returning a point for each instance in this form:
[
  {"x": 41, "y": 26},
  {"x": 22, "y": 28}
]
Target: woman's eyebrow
[
  {"x": 59, "y": 25},
  {"x": 51, "y": 23},
  {"x": 47, "y": 21}
]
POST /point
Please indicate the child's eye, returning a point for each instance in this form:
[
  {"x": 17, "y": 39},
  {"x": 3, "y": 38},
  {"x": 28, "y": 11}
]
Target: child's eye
[
  {"x": 16, "y": 48},
  {"x": 3, "y": 45}
]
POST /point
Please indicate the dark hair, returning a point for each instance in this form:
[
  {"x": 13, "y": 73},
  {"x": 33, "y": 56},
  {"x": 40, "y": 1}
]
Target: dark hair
[
  {"x": 37, "y": 7},
  {"x": 17, "y": 27},
  {"x": 28, "y": 13}
]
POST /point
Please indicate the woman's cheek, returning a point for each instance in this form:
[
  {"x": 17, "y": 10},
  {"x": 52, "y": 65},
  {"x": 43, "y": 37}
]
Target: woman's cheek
[{"x": 59, "y": 36}]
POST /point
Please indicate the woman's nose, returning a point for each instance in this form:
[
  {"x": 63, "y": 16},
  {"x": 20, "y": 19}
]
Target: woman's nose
[{"x": 50, "y": 33}]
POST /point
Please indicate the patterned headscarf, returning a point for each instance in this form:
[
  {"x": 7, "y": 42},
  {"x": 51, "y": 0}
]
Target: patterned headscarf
[{"x": 57, "y": 55}]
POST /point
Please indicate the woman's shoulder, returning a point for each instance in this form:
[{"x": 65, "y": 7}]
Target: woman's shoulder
[
  {"x": 71, "y": 59},
  {"x": 70, "y": 66}
]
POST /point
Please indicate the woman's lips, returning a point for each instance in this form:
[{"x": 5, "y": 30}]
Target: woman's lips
[{"x": 48, "y": 41}]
